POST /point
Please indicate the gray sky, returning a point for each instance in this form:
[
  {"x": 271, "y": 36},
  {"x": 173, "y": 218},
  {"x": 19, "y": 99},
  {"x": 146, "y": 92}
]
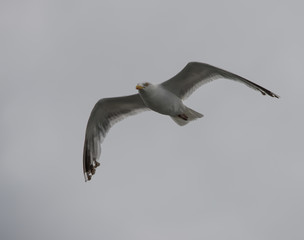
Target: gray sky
[{"x": 235, "y": 174}]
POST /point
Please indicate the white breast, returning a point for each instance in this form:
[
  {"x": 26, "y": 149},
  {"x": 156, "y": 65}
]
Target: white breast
[{"x": 161, "y": 100}]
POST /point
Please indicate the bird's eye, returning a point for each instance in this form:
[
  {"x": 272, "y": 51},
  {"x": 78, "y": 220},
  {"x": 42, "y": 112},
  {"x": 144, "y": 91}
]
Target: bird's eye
[{"x": 146, "y": 84}]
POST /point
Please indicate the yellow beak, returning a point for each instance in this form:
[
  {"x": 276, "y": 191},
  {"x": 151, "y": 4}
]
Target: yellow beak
[{"x": 138, "y": 87}]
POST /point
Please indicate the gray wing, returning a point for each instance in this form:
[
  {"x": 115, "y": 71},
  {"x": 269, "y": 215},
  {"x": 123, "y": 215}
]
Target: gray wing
[
  {"x": 196, "y": 74},
  {"x": 105, "y": 113}
]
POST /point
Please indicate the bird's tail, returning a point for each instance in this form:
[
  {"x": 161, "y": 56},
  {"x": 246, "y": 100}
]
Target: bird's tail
[{"x": 187, "y": 116}]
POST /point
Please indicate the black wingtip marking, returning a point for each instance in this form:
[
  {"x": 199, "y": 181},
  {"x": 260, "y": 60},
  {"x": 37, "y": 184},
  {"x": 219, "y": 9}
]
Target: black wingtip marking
[
  {"x": 269, "y": 93},
  {"x": 89, "y": 165}
]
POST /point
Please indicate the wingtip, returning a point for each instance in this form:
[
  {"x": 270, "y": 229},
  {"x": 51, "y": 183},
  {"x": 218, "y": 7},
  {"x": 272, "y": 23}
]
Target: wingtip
[
  {"x": 88, "y": 174},
  {"x": 90, "y": 171},
  {"x": 275, "y": 95},
  {"x": 87, "y": 177},
  {"x": 269, "y": 93}
]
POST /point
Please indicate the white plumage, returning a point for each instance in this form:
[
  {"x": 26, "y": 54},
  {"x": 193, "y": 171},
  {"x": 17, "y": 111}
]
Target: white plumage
[{"x": 165, "y": 98}]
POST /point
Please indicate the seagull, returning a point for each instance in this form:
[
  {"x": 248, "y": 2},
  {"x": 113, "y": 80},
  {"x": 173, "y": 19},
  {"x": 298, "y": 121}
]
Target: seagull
[{"x": 165, "y": 98}]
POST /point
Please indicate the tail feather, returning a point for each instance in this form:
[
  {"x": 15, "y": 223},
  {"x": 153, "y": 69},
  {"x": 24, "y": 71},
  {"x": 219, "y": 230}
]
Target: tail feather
[
  {"x": 191, "y": 115},
  {"x": 179, "y": 121}
]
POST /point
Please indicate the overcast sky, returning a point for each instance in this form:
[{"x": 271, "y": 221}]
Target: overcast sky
[{"x": 235, "y": 174}]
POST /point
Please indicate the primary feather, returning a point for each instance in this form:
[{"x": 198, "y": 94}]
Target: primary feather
[
  {"x": 165, "y": 98},
  {"x": 196, "y": 74},
  {"x": 104, "y": 115}
]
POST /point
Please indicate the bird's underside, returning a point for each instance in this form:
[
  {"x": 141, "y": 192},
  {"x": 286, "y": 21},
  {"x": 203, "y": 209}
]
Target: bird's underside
[{"x": 108, "y": 111}]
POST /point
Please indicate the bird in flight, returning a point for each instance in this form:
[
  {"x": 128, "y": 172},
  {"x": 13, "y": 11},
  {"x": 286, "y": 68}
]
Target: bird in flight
[{"x": 165, "y": 98}]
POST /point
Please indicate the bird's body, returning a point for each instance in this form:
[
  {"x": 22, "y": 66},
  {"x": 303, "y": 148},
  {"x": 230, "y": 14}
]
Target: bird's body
[
  {"x": 165, "y": 98},
  {"x": 160, "y": 100}
]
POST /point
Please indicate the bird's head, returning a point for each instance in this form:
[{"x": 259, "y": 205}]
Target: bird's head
[{"x": 141, "y": 86}]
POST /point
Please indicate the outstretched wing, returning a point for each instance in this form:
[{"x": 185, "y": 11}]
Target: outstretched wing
[
  {"x": 196, "y": 74},
  {"x": 104, "y": 115}
]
